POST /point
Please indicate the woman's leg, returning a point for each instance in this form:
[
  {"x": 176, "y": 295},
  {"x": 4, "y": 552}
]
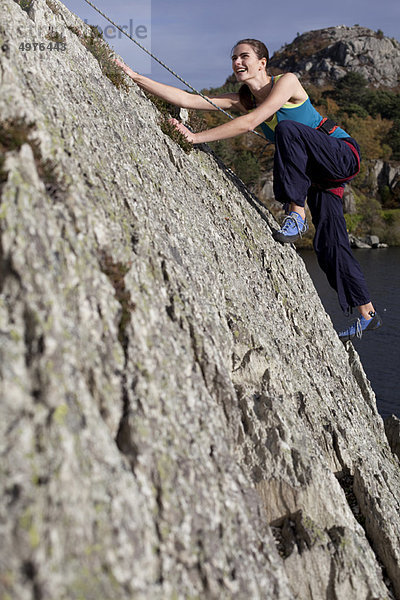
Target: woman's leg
[
  {"x": 335, "y": 257},
  {"x": 304, "y": 157}
]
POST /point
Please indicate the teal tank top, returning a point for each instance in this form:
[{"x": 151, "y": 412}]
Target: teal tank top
[{"x": 302, "y": 113}]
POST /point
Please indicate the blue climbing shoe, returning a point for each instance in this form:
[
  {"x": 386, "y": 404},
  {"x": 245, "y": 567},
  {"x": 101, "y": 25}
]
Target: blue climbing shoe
[
  {"x": 361, "y": 326},
  {"x": 293, "y": 227}
]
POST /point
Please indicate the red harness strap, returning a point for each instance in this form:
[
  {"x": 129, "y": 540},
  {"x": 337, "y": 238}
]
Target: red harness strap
[
  {"x": 327, "y": 125},
  {"x": 339, "y": 191}
]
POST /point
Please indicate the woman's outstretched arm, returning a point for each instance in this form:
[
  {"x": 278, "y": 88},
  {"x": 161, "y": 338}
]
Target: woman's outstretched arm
[
  {"x": 179, "y": 97},
  {"x": 287, "y": 87}
]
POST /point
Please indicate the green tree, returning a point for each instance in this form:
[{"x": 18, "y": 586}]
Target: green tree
[
  {"x": 247, "y": 167},
  {"x": 350, "y": 89},
  {"x": 393, "y": 139},
  {"x": 382, "y": 102},
  {"x": 355, "y": 109}
]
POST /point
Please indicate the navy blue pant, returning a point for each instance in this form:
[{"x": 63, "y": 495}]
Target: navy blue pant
[{"x": 307, "y": 162}]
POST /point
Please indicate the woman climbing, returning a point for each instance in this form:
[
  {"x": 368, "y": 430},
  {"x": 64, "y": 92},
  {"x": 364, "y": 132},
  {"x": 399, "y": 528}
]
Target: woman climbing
[{"x": 314, "y": 158}]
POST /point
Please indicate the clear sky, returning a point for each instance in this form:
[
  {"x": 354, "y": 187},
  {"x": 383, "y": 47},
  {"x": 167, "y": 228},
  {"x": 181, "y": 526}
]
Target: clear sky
[{"x": 195, "y": 37}]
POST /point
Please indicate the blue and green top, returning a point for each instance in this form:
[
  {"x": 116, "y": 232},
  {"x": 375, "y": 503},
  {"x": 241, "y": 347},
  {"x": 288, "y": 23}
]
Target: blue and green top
[{"x": 302, "y": 113}]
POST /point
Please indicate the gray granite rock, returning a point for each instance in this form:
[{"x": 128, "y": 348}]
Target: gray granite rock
[
  {"x": 178, "y": 417},
  {"x": 349, "y": 201},
  {"x": 372, "y": 241},
  {"x": 392, "y": 428}
]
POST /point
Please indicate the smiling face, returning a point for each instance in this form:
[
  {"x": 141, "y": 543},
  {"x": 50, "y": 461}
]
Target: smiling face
[{"x": 245, "y": 63}]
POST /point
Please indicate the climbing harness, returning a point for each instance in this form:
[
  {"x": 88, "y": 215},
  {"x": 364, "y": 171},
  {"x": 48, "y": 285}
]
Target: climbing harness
[
  {"x": 327, "y": 126},
  {"x": 164, "y": 65}
]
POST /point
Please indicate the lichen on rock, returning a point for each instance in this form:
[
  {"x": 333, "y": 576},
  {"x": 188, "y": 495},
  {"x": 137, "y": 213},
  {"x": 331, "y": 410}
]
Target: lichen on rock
[{"x": 178, "y": 417}]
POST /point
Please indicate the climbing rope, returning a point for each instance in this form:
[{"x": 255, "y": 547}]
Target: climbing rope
[{"x": 164, "y": 65}]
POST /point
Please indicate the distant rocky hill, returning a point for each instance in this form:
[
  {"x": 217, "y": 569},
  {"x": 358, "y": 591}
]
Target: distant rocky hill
[{"x": 324, "y": 56}]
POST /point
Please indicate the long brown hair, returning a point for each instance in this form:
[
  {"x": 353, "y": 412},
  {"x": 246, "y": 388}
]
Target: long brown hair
[{"x": 261, "y": 51}]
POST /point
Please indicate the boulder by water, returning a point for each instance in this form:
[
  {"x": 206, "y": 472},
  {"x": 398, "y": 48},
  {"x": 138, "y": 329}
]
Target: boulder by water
[
  {"x": 372, "y": 240},
  {"x": 369, "y": 241},
  {"x": 356, "y": 242}
]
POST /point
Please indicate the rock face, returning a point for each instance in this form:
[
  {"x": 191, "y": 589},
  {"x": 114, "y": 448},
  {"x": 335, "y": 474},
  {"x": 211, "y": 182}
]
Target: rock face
[
  {"x": 383, "y": 174},
  {"x": 178, "y": 418},
  {"x": 392, "y": 428},
  {"x": 326, "y": 55}
]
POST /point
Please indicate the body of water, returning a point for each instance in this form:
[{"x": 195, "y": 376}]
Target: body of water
[{"x": 379, "y": 350}]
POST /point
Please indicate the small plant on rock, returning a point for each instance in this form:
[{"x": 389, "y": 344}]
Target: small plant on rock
[
  {"x": 165, "y": 109},
  {"x": 53, "y": 6},
  {"x": 26, "y": 5},
  {"x": 105, "y": 57},
  {"x": 56, "y": 36}
]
